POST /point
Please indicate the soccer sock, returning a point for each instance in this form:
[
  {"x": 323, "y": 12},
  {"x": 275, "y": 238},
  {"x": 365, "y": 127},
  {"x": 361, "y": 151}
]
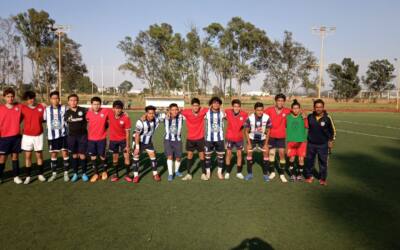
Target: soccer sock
[
  {"x": 66, "y": 164},
  {"x": 41, "y": 169},
  {"x": 75, "y": 164},
  {"x": 28, "y": 171},
  {"x": 15, "y": 167},
  {"x": 300, "y": 169},
  {"x": 83, "y": 164},
  {"x": 53, "y": 165},
  {"x": 135, "y": 167},
  {"x": 177, "y": 165},
  {"x": 282, "y": 167},
  {"x": 220, "y": 163},
  {"x": 203, "y": 166},
  {"x": 104, "y": 165},
  {"x": 2, "y": 166},
  {"x": 95, "y": 168},
  {"x": 239, "y": 169},
  {"x": 208, "y": 163},
  {"x": 116, "y": 167},
  {"x": 291, "y": 168},
  {"x": 228, "y": 168},
  {"x": 249, "y": 165},
  {"x": 265, "y": 166},
  {"x": 189, "y": 163},
  {"x": 169, "y": 165},
  {"x": 154, "y": 165},
  {"x": 271, "y": 166},
  {"x": 128, "y": 169}
]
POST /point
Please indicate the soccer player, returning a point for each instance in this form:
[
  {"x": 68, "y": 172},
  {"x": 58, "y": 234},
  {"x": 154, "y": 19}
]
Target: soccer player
[
  {"x": 277, "y": 136},
  {"x": 296, "y": 135},
  {"x": 120, "y": 127},
  {"x": 77, "y": 136},
  {"x": 195, "y": 136},
  {"x": 257, "y": 129},
  {"x": 215, "y": 136},
  {"x": 10, "y": 137},
  {"x": 97, "y": 118},
  {"x": 143, "y": 142},
  {"x": 56, "y": 135},
  {"x": 172, "y": 139},
  {"x": 321, "y": 135},
  {"x": 236, "y": 119},
  {"x": 32, "y": 138}
]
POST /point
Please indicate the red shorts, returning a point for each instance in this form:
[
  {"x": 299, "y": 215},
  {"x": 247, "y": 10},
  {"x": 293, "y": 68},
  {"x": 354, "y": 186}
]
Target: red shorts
[{"x": 296, "y": 149}]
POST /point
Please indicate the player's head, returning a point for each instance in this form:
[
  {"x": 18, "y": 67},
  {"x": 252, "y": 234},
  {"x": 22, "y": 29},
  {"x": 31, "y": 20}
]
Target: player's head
[
  {"x": 95, "y": 103},
  {"x": 259, "y": 109},
  {"x": 296, "y": 108},
  {"x": 118, "y": 107},
  {"x": 73, "y": 100},
  {"x": 319, "y": 106},
  {"x": 280, "y": 100},
  {"x": 29, "y": 97},
  {"x": 195, "y": 105},
  {"x": 150, "y": 112},
  {"x": 215, "y": 103},
  {"x": 236, "y": 105},
  {"x": 54, "y": 98},
  {"x": 173, "y": 109},
  {"x": 9, "y": 95}
]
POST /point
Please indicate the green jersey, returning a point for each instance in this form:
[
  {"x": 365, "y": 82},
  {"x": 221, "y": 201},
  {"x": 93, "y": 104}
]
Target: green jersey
[{"x": 296, "y": 128}]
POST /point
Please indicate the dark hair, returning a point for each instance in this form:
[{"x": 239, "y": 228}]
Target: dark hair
[
  {"x": 280, "y": 96},
  {"x": 215, "y": 99},
  {"x": 295, "y": 103},
  {"x": 319, "y": 101},
  {"x": 95, "y": 99},
  {"x": 118, "y": 103},
  {"x": 28, "y": 95},
  {"x": 54, "y": 93},
  {"x": 173, "y": 105},
  {"x": 258, "y": 105},
  {"x": 9, "y": 91},
  {"x": 150, "y": 107},
  {"x": 236, "y": 101},
  {"x": 73, "y": 95},
  {"x": 195, "y": 101}
]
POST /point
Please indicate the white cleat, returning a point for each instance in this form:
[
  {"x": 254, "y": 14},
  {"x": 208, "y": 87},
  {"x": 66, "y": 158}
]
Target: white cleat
[
  {"x": 41, "y": 178},
  {"x": 227, "y": 176},
  {"x": 27, "y": 180},
  {"x": 204, "y": 177},
  {"x": 187, "y": 177},
  {"x": 17, "y": 180},
  {"x": 283, "y": 178},
  {"x": 240, "y": 176},
  {"x": 272, "y": 175},
  {"x": 52, "y": 177},
  {"x": 66, "y": 177}
]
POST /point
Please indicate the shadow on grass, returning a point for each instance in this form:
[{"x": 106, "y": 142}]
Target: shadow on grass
[{"x": 253, "y": 244}]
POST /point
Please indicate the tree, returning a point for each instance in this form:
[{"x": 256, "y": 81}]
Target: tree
[
  {"x": 346, "y": 83},
  {"x": 379, "y": 75},
  {"x": 125, "y": 87}
]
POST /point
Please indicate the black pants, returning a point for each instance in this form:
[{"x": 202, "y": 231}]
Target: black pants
[{"x": 314, "y": 150}]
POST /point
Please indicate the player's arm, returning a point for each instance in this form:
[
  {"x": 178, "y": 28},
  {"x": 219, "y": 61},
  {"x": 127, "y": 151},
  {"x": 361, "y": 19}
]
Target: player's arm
[
  {"x": 138, "y": 130},
  {"x": 332, "y": 132},
  {"x": 128, "y": 127}
]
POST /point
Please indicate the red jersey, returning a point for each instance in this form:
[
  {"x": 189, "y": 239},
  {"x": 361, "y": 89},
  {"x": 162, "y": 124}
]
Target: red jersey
[
  {"x": 33, "y": 119},
  {"x": 119, "y": 126},
  {"x": 235, "y": 125},
  {"x": 10, "y": 120},
  {"x": 195, "y": 123},
  {"x": 97, "y": 124},
  {"x": 278, "y": 129}
]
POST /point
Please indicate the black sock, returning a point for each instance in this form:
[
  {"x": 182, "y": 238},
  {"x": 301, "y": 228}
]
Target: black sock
[
  {"x": 189, "y": 163},
  {"x": 281, "y": 169},
  {"x": 239, "y": 168},
  {"x": 265, "y": 166},
  {"x": 300, "y": 170},
  {"x": 135, "y": 165},
  {"x": 66, "y": 164},
  {"x": 203, "y": 166},
  {"x": 41, "y": 169},
  {"x": 104, "y": 165},
  {"x": 229, "y": 168},
  {"x": 116, "y": 167},
  {"x": 95, "y": 167},
  {"x": 220, "y": 162},
  {"x": 28, "y": 171},
  {"x": 53, "y": 165},
  {"x": 249, "y": 166},
  {"x": 271, "y": 166},
  {"x": 291, "y": 168},
  {"x": 153, "y": 164},
  {"x": 128, "y": 169},
  {"x": 208, "y": 163},
  {"x": 75, "y": 165},
  {"x": 83, "y": 164},
  {"x": 2, "y": 166},
  {"x": 15, "y": 167}
]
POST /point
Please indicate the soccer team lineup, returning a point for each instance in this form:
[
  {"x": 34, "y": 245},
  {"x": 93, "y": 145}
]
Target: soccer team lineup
[{"x": 288, "y": 139}]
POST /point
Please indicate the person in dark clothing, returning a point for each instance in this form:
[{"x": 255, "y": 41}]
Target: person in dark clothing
[{"x": 321, "y": 135}]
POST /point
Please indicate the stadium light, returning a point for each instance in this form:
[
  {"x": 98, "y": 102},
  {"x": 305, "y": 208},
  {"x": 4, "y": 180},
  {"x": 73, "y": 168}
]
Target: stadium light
[{"x": 322, "y": 31}]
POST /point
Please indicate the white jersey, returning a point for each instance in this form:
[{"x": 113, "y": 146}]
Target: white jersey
[
  {"x": 56, "y": 126},
  {"x": 146, "y": 129},
  {"x": 258, "y": 126},
  {"x": 173, "y": 128},
  {"x": 214, "y": 126}
]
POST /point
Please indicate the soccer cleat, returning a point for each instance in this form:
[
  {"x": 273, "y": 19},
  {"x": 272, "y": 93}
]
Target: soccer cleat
[
  {"x": 323, "y": 182},
  {"x": 156, "y": 178},
  {"x": 300, "y": 178},
  {"x": 170, "y": 177},
  {"x": 227, "y": 175},
  {"x": 240, "y": 176},
  {"x": 66, "y": 177},
  {"x": 128, "y": 179},
  {"x": 136, "y": 179},
  {"x": 75, "y": 178},
  {"x": 85, "y": 178},
  {"x": 248, "y": 177},
  {"x": 187, "y": 177},
  {"x": 309, "y": 180},
  {"x": 94, "y": 178},
  {"x": 293, "y": 178},
  {"x": 220, "y": 176},
  {"x": 178, "y": 174},
  {"x": 114, "y": 178},
  {"x": 104, "y": 176},
  {"x": 27, "y": 180},
  {"x": 272, "y": 175},
  {"x": 17, "y": 180},
  {"x": 52, "y": 177},
  {"x": 41, "y": 178},
  {"x": 283, "y": 178},
  {"x": 266, "y": 178},
  {"x": 204, "y": 177}
]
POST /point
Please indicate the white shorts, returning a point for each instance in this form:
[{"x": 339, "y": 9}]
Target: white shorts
[{"x": 32, "y": 143}]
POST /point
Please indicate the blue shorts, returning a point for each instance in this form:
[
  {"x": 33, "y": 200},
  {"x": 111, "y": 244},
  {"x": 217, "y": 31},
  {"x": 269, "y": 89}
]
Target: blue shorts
[
  {"x": 257, "y": 144},
  {"x": 277, "y": 142},
  {"x": 117, "y": 146},
  {"x": 173, "y": 148},
  {"x": 234, "y": 144},
  {"x": 217, "y": 146},
  {"x": 10, "y": 144},
  {"x": 56, "y": 145},
  {"x": 97, "y": 148},
  {"x": 77, "y": 144}
]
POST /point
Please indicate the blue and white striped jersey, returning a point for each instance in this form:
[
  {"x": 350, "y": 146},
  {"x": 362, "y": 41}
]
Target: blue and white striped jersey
[
  {"x": 258, "y": 126},
  {"x": 214, "y": 126},
  {"x": 147, "y": 129},
  {"x": 173, "y": 128},
  {"x": 56, "y": 125}
]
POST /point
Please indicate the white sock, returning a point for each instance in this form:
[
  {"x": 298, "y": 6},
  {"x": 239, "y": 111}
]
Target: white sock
[
  {"x": 169, "y": 165},
  {"x": 208, "y": 171},
  {"x": 155, "y": 173},
  {"x": 177, "y": 165},
  {"x": 219, "y": 170},
  {"x": 135, "y": 174}
]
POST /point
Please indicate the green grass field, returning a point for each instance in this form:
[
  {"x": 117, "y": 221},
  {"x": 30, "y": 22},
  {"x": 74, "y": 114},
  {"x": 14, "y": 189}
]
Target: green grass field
[{"x": 360, "y": 208}]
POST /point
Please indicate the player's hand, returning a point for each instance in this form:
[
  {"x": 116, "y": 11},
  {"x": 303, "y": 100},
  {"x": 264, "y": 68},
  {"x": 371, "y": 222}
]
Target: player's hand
[
  {"x": 304, "y": 115},
  {"x": 330, "y": 144}
]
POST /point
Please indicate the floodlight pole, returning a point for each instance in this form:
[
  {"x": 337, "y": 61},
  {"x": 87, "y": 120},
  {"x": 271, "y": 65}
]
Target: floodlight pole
[{"x": 398, "y": 84}]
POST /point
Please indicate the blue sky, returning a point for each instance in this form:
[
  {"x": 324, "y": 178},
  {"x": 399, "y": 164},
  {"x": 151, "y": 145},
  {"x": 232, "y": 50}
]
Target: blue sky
[{"x": 366, "y": 30}]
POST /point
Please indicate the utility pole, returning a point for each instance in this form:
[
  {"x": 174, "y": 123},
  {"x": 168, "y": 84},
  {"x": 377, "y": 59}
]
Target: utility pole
[
  {"x": 322, "y": 31},
  {"x": 102, "y": 81},
  {"x": 398, "y": 84},
  {"x": 92, "y": 79}
]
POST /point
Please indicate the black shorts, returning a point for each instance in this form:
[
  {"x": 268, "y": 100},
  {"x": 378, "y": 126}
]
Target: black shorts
[
  {"x": 77, "y": 144},
  {"x": 56, "y": 145},
  {"x": 10, "y": 144},
  {"x": 173, "y": 148},
  {"x": 193, "y": 145},
  {"x": 97, "y": 148},
  {"x": 217, "y": 146},
  {"x": 257, "y": 144},
  {"x": 117, "y": 146},
  {"x": 277, "y": 142},
  {"x": 234, "y": 144}
]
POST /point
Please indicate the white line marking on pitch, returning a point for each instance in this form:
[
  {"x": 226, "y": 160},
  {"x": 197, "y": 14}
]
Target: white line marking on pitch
[
  {"x": 367, "y": 124},
  {"x": 372, "y": 135}
]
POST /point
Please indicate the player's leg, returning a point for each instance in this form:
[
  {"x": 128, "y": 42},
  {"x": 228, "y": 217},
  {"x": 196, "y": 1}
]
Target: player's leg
[
  {"x": 239, "y": 162},
  {"x": 2, "y": 165},
  {"x": 127, "y": 163},
  {"x": 115, "y": 148},
  {"x": 301, "y": 155},
  {"x": 53, "y": 162},
  {"x": 72, "y": 145},
  {"x": 15, "y": 149},
  {"x": 291, "y": 153},
  {"x": 272, "y": 157},
  {"x": 265, "y": 164},
  {"x": 135, "y": 164},
  {"x": 152, "y": 155},
  {"x": 82, "y": 151},
  {"x": 228, "y": 159},
  {"x": 220, "y": 149},
  {"x": 323, "y": 153},
  {"x": 168, "y": 151},
  {"x": 101, "y": 149},
  {"x": 28, "y": 166},
  {"x": 310, "y": 159},
  {"x": 282, "y": 160},
  {"x": 249, "y": 162},
  {"x": 209, "y": 149},
  {"x": 65, "y": 156},
  {"x": 38, "y": 148},
  {"x": 177, "y": 151}
]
